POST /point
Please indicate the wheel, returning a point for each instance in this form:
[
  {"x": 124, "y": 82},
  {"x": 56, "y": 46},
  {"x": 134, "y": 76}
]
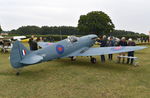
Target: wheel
[
  {"x": 93, "y": 60},
  {"x": 3, "y": 50},
  {"x": 73, "y": 58},
  {"x": 17, "y": 73}
]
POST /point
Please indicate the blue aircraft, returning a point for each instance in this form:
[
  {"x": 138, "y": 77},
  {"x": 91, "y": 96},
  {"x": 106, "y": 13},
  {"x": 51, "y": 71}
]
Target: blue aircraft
[{"x": 71, "y": 47}]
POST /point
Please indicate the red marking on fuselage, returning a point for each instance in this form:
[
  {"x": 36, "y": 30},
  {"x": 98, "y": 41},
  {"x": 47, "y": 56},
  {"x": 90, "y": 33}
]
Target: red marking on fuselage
[
  {"x": 60, "y": 49},
  {"x": 117, "y": 48},
  {"x": 49, "y": 43}
]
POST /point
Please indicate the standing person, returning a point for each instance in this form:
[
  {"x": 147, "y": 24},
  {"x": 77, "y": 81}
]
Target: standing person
[
  {"x": 147, "y": 39},
  {"x": 116, "y": 41},
  {"x": 32, "y": 43},
  {"x": 123, "y": 42},
  {"x": 131, "y": 53},
  {"x": 1, "y": 45},
  {"x": 103, "y": 43},
  {"x": 141, "y": 39},
  {"x": 110, "y": 43},
  {"x": 39, "y": 39}
]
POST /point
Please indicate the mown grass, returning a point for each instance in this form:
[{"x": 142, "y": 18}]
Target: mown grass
[{"x": 77, "y": 79}]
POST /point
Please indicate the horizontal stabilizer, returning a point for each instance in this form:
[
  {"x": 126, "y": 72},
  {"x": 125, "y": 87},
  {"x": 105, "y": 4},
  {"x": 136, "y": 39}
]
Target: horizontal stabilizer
[{"x": 31, "y": 59}]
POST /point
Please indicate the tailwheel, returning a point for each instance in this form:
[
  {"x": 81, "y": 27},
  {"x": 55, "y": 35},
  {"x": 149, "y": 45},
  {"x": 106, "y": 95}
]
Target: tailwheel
[
  {"x": 73, "y": 58},
  {"x": 17, "y": 73},
  {"x": 93, "y": 60}
]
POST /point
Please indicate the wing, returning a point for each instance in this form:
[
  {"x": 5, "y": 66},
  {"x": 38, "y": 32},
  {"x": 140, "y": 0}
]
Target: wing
[
  {"x": 106, "y": 50},
  {"x": 44, "y": 44}
]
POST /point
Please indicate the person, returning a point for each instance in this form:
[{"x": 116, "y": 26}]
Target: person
[
  {"x": 116, "y": 41},
  {"x": 110, "y": 43},
  {"x": 103, "y": 43},
  {"x": 145, "y": 39},
  {"x": 32, "y": 44},
  {"x": 122, "y": 42},
  {"x": 39, "y": 39},
  {"x": 138, "y": 39},
  {"x": 142, "y": 39},
  {"x": 131, "y": 53},
  {"x": 1, "y": 45}
]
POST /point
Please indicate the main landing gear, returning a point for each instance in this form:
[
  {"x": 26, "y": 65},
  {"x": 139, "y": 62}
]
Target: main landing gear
[
  {"x": 93, "y": 60},
  {"x": 73, "y": 58}
]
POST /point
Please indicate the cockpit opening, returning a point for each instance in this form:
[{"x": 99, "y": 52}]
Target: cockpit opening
[{"x": 72, "y": 39}]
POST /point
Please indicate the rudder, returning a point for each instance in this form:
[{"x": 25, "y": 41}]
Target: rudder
[{"x": 18, "y": 52}]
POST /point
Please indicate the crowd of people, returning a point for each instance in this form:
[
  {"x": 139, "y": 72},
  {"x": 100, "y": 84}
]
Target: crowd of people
[
  {"x": 112, "y": 41},
  {"x": 143, "y": 40}
]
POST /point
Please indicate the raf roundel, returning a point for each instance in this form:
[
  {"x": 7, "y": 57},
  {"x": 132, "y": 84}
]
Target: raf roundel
[
  {"x": 59, "y": 49},
  {"x": 117, "y": 48}
]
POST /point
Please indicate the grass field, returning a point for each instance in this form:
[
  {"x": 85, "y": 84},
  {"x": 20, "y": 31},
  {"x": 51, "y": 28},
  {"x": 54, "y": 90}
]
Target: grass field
[{"x": 77, "y": 79}]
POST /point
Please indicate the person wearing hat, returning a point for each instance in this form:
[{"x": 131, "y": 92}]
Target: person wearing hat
[{"x": 131, "y": 53}]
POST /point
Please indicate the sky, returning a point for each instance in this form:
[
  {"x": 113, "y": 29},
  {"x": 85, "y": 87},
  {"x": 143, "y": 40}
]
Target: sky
[{"x": 130, "y": 15}]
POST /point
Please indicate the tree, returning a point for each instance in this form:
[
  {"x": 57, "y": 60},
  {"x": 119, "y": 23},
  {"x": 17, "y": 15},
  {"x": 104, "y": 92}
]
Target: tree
[
  {"x": 0, "y": 29},
  {"x": 96, "y": 22}
]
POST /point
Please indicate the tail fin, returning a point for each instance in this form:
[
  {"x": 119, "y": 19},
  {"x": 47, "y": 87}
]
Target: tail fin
[{"x": 18, "y": 52}]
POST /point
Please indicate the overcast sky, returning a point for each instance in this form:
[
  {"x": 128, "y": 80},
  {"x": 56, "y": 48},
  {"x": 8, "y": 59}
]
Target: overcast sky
[{"x": 131, "y": 15}]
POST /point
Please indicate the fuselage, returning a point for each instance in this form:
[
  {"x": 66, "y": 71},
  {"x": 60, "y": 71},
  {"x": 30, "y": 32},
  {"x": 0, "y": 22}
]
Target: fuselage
[{"x": 65, "y": 47}]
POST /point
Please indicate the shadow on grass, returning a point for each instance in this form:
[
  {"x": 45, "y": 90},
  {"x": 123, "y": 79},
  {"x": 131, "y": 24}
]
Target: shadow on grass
[
  {"x": 28, "y": 74},
  {"x": 107, "y": 65},
  {"x": 49, "y": 69}
]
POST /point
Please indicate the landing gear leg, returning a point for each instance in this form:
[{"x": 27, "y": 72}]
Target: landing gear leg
[
  {"x": 73, "y": 58},
  {"x": 93, "y": 60}
]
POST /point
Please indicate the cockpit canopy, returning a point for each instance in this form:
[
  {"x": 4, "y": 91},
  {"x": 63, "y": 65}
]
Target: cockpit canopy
[{"x": 72, "y": 39}]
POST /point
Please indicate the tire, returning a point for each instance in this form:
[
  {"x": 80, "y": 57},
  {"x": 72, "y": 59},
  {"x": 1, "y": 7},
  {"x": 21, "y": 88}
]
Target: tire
[
  {"x": 93, "y": 60},
  {"x": 73, "y": 58}
]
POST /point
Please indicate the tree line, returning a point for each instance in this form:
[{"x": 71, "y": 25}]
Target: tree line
[
  {"x": 45, "y": 30},
  {"x": 67, "y": 30},
  {"x": 95, "y": 22}
]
